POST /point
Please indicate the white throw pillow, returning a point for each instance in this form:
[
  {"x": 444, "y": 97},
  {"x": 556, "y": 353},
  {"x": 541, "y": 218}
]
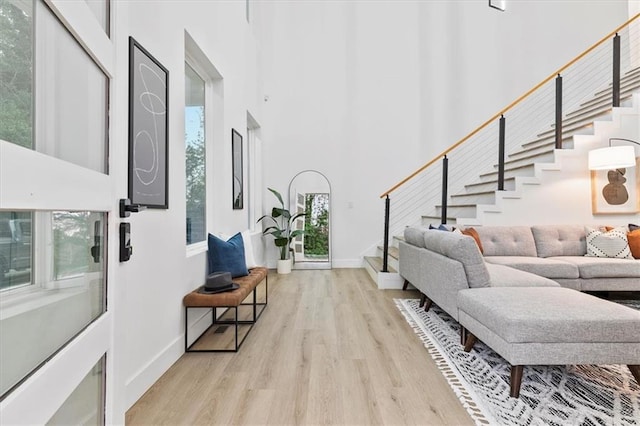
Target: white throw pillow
[
  {"x": 248, "y": 249},
  {"x": 612, "y": 244}
]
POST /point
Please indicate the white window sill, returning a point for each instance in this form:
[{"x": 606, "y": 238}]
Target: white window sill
[
  {"x": 196, "y": 248},
  {"x": 36, "y": 298},
  {"x": 32, "y": 297}
]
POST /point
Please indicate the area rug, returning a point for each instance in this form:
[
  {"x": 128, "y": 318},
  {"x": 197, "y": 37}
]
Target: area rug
[{"x": 550, "y": 395}]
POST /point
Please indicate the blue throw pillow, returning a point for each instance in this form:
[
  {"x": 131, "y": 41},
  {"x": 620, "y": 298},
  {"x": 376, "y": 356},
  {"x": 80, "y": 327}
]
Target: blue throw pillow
[
  {"x": 442, "y": 227},
  {"x": 227, "y": 256}
]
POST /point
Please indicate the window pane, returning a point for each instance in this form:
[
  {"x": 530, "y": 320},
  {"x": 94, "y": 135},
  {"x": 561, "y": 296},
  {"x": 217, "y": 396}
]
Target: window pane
[
  {"x": 74, "y": 236},
  {"x": 85, "y": 404},
  {"x": 16, "y": 68},
  {"x": 15, "y": 249},
  {"x": 195, "y": 156},
  {"x": 69, "y": 103},
  {"x": 100, "y": 8},
  {"x": 71, "y": 96},
  {"x": 68, "y": 291}
]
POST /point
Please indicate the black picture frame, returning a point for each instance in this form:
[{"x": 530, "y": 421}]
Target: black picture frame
[
  {"x": 498, "y": 4},
  {"x": 148, "y": 129},
  {"x": 236, "y": 158}
]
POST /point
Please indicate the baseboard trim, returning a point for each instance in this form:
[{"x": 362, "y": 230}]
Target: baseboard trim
[
  {"x": 142, "y": 380},
  {"x": 335, "y": 264}
]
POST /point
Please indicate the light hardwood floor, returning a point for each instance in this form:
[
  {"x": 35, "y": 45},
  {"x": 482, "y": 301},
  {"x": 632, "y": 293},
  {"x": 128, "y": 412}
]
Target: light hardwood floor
[{"x": 330, "y": 348}]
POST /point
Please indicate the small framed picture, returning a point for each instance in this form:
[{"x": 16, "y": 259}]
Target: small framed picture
[
  {"x": 616, "y": 191},
  {"x": 236, "y": 148}
]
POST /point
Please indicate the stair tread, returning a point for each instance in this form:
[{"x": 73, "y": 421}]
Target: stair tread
[
  {"x": 512, "y": 178},
  {"x": 507, "y": 169},
  {"x": 468, "y": 194},
  {"x": 528, "y": 156},
  {"x": 394, "y": 252},
  {"x": 376, "y": 264}
]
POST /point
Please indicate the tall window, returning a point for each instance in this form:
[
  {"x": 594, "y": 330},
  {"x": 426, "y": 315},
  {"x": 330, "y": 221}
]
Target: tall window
[
  {"x": 194, "y": 137},
  {"x": 254, "y": 170}
]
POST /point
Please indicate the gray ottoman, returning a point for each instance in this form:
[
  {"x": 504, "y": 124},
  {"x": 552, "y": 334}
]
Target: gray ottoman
[{"x": 550, "y": 326}]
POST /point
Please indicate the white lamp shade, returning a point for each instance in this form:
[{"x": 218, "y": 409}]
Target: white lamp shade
[{"x": 613, "y": 157}]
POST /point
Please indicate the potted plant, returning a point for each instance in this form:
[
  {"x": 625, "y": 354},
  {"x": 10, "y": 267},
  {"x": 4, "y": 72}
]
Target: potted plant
[{"x": 281, "y": 228}]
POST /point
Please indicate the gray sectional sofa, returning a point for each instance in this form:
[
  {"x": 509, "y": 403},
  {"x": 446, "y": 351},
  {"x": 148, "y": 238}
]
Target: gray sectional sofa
[
  {"x": 558, "y": 252},
  {"x": 522, "y": 288}
]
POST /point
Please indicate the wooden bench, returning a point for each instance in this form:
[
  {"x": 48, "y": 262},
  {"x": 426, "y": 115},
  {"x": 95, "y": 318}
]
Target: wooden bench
[{"x": 230, "y": 300}]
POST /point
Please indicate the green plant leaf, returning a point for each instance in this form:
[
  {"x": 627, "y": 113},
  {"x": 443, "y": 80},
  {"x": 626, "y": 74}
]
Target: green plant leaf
[
  {"x": 296, "y": 233},
  {"x": 278, "y": 196},
  {"x": 276, "y": 212}
]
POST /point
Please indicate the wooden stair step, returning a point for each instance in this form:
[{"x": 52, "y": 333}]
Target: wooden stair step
[{"x": 376, "y": 264}]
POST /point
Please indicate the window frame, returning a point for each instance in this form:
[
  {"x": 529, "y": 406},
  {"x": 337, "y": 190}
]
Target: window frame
[{"x": 200, "y": 246}]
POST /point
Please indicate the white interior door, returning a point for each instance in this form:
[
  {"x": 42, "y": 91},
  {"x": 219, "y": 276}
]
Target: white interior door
[{"x": 56, "y": 213}]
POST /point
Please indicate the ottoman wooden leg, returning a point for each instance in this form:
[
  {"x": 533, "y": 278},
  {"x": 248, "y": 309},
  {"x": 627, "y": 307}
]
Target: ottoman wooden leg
[
  {"x": 423, "y": 298},
  {"x": 471, "y": 340},
  {"x": 463, "y": 335},
  {"x": 427, "y": 304},
  {"x": 516, "y": 380},
  {"x": 635, "y": 370},
  {"x": 404, "y": 286}
]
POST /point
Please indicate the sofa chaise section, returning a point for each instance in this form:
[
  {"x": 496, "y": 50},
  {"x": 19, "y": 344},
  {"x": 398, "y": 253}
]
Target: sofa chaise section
[{"x": 550, "y": 326}]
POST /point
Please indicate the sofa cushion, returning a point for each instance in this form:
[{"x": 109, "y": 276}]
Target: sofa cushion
[
  {"x": 549, "y": 315},
  {"x": 505, "y": 276},
  {"x": 559, "y": 240},
  {"x": 603, "y": 267},
  {"x": 463, "y": 249},
  {"x": 507, "y": 241},
  {"x": 414, "y": 235},
  {"x": 549, "y": 268}
]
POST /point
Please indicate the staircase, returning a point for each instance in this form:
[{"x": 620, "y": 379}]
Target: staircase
[{"x": 523, "y": 167}]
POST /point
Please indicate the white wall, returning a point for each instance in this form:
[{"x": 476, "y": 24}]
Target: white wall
[
  {"x": 150, "y": 287},
  {"x": 366, "y": 92}
]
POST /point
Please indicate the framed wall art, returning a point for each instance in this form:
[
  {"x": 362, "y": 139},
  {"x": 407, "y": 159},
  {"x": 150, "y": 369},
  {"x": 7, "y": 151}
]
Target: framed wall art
[
  {"x": 501, "y": 5},
  {"x": 616, "y": 191},
  {"x": 236, "y": 148},
  {"x": 148, "y": 128}
]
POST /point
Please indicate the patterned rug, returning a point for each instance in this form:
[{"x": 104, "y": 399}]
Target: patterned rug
[{"x": 550, "y": 395}]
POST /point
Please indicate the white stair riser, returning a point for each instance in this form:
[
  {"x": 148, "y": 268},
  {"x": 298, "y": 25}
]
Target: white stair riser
[
  {"x": 545, "y": 157},
  {"x": 458, "y": 211},
  {"x": 567, "y": 144},
  {"x": 433, "y": 220},
  {"x": 483, "y": 198},
  {"x": 522, "y": 171},
  {"x": 509, "y": 185}
]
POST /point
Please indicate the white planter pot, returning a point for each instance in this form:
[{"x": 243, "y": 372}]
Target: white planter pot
[{"x": 284, "y": 266}]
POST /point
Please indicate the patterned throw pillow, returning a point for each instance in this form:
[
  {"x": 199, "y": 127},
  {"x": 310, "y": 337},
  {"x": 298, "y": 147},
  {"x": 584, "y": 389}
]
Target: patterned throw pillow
[{"x": 613, "y": 243}]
